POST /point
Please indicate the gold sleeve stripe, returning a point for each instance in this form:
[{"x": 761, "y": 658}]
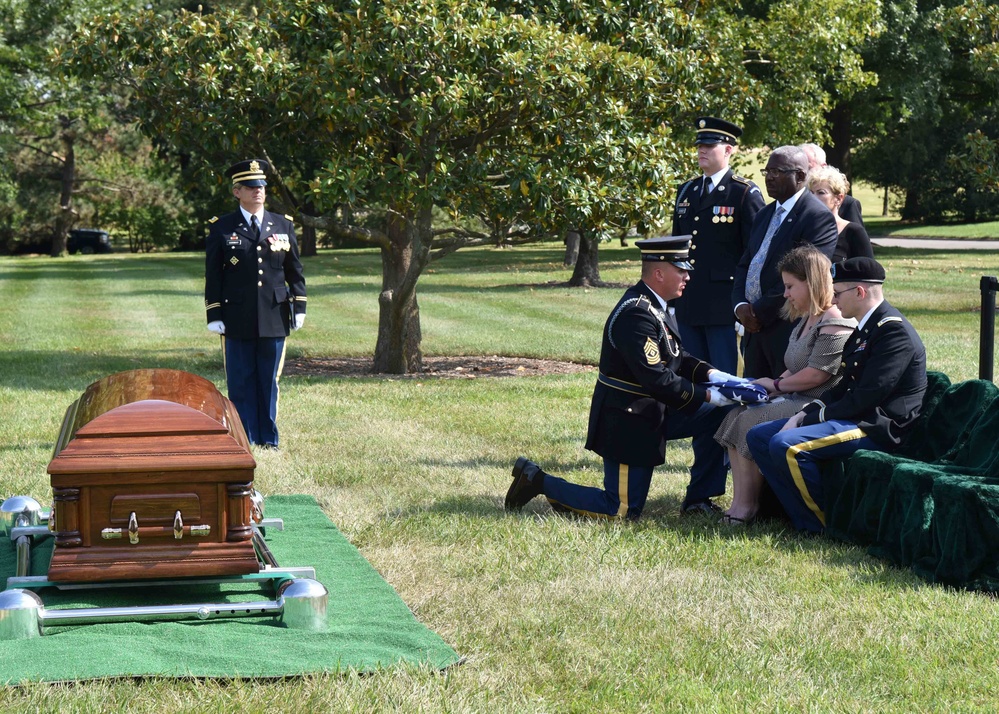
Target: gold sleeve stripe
[{"x": 213, "y": 305}]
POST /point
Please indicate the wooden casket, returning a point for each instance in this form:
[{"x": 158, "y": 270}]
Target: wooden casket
[{"x": 152, "y": 477}]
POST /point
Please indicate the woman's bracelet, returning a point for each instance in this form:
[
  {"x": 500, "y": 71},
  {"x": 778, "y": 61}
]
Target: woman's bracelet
[{"x": 777, "y": 384}]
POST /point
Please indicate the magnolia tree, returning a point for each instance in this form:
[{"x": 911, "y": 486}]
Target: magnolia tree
[{"x": 537, "y": 117}]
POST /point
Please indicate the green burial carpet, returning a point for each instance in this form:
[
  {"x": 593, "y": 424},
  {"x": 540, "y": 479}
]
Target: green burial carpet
[{"x": 369, "y": 626}]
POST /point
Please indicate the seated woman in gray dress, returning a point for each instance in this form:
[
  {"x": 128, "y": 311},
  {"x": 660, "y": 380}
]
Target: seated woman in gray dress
[{"x": 813, "y": 358}]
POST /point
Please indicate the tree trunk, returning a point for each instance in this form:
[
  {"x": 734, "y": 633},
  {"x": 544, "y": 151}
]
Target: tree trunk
[
  {"x": 841, "y": 131},
  {"x": 398, "y": 348},
  {"x": 587, "y": 271},
  {"x": 912, "y": 209},
  {"x": 67, "y": 179},
  {"x": 307, "y": 242},
  {"x": 571, "y": 248}
]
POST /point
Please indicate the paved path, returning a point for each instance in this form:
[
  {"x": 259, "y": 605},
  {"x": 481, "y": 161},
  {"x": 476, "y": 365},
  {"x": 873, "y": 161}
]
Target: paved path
[{"x": 934, "y": 243}]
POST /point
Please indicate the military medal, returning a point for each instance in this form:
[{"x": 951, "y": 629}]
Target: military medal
[
  {"x": 715, "y": 218},
  {"x": 279, "y": 242}
]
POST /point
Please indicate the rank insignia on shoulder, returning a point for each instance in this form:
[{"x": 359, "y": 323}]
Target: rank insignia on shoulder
[
  {"x": 290, "y": 218},
  {"x": 232, "y": 240},
  {"x": 890, "y": 318},
  {"x": 213, "y": 219},
  {"x": 651, "y": 350},
  {"x": 741, "y": 179}
]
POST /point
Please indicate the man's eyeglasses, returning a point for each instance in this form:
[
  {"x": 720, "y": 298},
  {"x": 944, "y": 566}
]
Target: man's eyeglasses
[
  {"x": 768, "y": 172},
  {"x": 837, "y": 293}
]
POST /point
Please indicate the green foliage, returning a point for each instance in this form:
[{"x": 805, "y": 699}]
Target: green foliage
[
  {"x": 932, "y": 123},
  {"x": 805, "y": 57}
]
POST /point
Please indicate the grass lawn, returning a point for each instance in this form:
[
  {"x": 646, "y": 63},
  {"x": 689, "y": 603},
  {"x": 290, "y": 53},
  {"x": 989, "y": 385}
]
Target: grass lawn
[{"x": 666, "y": 614}]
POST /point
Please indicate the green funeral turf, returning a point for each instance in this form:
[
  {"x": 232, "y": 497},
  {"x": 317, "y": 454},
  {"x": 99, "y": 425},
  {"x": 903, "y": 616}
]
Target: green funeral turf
[{"x": 369, "y": 626}]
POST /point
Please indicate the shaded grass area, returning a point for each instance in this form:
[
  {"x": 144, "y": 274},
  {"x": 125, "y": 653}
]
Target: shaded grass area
[{"x": 666, "y": 614}]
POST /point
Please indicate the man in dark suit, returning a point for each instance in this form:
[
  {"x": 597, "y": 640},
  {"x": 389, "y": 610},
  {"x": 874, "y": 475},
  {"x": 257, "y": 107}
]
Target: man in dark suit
[
  {"x": 254, "y": 295},
  {"x": 645, "y": 378},
  {"x": 878, "y": 399},
  {"x": 795, "y": 218},
  {"x": 850, "y": 209},
  {"x": 717, "y": 209}
]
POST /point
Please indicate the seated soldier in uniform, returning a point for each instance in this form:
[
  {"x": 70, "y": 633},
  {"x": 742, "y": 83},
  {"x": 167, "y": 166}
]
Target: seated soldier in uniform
[{"x": 878, "y": 398}]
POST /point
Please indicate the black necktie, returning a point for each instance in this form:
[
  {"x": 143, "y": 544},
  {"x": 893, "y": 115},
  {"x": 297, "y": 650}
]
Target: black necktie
[
  {"x": 254, "y": 227},
  {"x": 707, "y": 186}
]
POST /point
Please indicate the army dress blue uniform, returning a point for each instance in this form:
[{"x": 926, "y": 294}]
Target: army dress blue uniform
[
  {"x": 255, "y": 286},
  {"x": 648, "y": 391},
  {"x": 720, "y": 223},
  {"x": 879, "y": 397}
]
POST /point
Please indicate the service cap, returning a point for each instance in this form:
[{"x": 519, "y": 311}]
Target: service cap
[
  {"x": 712, "y": 130},
  {"x": 249, "y": 173},
  {"x": 666, "y": 249}
]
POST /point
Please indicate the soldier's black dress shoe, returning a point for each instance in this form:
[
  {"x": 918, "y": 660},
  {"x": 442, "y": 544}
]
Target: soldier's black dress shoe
[
  {"x": 527, "y": 483},
  {"x": 704, "y": 506}
]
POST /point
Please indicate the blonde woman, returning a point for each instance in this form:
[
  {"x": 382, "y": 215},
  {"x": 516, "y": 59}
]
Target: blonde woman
[
  {"x": 813, "y": 358},
  {"x": 830, "y": 186}
]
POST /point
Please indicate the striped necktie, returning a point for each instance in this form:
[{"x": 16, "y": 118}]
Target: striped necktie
[{"x": 753, "y": 290}]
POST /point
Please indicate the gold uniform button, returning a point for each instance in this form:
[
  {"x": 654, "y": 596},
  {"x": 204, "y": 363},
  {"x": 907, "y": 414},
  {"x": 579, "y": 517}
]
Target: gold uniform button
[
  {"x": 260, "y": 247},
  {"x": 692, "y": 261},
  {"x": 697, "y": 218},
  {"x": 693, "y": 233},
  {"x": 260, "y": 285},
  {"x": 260, "y": 260},
  {"x": 693, "y": 247}
]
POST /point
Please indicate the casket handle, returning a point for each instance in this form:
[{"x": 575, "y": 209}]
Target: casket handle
[
  {"x": 133, "y": 528},
  {"x": 178, "y": 526},
  {"x": 197, "y": 531}
]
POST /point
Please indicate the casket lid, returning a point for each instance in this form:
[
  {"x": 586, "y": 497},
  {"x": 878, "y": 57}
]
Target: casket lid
[{"x": 142, "y": 420}]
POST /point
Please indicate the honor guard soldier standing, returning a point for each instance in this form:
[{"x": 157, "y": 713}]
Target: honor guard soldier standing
[
  {"x": 717, "y": 210},
  {"x": 649, "y": 390},
  {"x": 254, "y": 296},
  {"x": 878, "y": 399}
]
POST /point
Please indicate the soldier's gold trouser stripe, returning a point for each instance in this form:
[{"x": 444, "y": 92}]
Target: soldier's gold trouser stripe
[
  {"x": 277, "y": 379},
  {"x": 622, "y": 490},
  {"x": 792, "y": 464}
]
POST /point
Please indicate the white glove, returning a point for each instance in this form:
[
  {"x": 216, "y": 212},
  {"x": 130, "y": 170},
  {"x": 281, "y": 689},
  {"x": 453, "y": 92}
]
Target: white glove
[
  {"x": 299, "y": 321},
  {"x": 716, "y": 375},
  {"x": 717, "y": 399},
  {"x": 217, "y": 326}
]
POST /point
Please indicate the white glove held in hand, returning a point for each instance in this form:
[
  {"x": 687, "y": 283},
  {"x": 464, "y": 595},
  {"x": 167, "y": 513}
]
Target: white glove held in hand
[
  {"x": 716, "y": 375},
  {"x": 217, "y": 326},
  {"x": 716, "y": 399},
  {"x": 299, "y": 321}
]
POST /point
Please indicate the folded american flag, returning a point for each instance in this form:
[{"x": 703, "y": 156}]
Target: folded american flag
[{"x": 742, "y": 392}]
